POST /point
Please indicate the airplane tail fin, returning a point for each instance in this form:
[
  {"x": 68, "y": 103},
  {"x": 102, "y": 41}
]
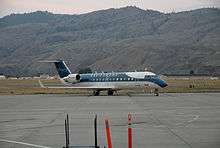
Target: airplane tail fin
[{"x": 61, "y": 67}]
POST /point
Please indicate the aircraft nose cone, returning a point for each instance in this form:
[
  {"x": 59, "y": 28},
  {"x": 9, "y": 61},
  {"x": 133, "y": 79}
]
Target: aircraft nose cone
[{"x": 163, "y": 83}]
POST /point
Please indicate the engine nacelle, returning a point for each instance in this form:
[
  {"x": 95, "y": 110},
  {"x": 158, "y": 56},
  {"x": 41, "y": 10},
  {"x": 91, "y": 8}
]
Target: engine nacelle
[{"x": 72, "y": 78}]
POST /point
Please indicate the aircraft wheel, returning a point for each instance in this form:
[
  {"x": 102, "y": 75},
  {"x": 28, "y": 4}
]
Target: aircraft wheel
[
  {"x": 156, "y": 92},
  {"x": 96, "y": 93},
  {"x": 110, "y": 92}
]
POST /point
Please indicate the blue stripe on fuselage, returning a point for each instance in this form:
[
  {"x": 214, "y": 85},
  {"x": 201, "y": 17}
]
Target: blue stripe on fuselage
[{"x": 119, "y": 77}]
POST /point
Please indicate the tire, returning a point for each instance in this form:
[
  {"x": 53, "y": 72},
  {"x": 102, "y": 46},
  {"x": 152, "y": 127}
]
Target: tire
[
  {"x": 96, "y": 93},
  {"x": 110, "y": 92},
  {"x": 156, "y": 92}
]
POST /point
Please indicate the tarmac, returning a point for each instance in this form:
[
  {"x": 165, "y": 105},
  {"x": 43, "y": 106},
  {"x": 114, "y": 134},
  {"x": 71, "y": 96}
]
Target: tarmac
[{"x": 167, "y": 121}]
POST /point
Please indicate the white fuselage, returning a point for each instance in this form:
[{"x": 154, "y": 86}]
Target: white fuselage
[{"x": 114, "y": 80}]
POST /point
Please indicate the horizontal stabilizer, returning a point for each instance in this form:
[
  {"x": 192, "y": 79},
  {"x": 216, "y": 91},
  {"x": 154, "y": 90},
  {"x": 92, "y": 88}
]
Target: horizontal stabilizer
[{"x": 41, "y": 84}]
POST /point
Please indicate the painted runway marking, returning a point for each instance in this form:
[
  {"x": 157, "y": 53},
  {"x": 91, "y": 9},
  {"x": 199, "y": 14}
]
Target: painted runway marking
[
  {"x": 194, "y": 119},
  {"x": 22, "y": 143}
]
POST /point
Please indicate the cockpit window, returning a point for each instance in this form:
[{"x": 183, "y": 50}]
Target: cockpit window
[{"x": 151, "y": 76}]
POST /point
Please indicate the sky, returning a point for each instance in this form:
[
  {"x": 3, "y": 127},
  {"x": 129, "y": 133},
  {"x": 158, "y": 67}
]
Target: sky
[{"x": 84, "y": 6}]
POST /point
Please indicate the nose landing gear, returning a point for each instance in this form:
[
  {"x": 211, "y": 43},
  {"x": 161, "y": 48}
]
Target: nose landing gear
[
  {"x": 109, "y": 92},
  {"x": 156, "y": 92}
]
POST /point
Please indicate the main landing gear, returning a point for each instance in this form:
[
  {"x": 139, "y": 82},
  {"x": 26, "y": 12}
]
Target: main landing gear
[
  {"x": 96, "y": 93},
  {"x": 110, "y": 92}
]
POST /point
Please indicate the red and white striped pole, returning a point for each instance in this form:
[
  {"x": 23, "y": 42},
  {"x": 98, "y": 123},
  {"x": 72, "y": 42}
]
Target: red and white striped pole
[{"x": 129, "y": 131}]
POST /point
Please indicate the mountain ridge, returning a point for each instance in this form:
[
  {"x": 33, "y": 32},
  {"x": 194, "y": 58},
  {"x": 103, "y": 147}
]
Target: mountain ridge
[{"x": 124, "y": 39}]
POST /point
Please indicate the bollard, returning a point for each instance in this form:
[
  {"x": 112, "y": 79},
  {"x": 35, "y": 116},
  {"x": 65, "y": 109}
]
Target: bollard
[
  {"x": 108, "y": 134},
  {"x": 129, "y": 131}
]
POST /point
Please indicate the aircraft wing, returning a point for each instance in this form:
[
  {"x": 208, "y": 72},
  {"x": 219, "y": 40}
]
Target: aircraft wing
[{"x": 75, "y": 87}]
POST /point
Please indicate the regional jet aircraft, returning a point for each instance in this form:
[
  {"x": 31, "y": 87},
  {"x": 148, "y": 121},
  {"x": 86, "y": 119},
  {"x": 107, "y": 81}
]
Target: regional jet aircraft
[{"x": 109, "y": 82}]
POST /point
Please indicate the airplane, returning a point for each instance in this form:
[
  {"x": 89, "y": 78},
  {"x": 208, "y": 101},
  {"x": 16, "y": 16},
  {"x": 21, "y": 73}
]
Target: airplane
[{"x": 110, "y": 82}]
